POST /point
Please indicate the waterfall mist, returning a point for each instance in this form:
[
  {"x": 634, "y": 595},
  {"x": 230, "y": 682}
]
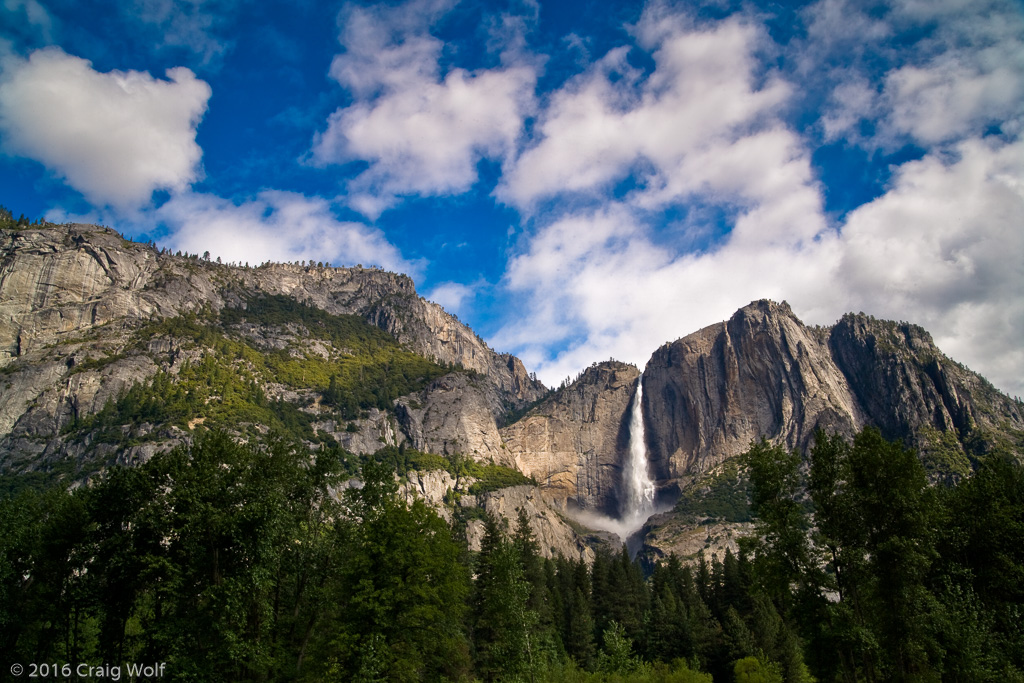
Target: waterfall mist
[{"x": 637, "y": 503}]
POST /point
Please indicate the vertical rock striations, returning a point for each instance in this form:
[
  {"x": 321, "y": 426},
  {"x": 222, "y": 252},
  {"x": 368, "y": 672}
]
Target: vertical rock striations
[
  {"x": 72, "y": 296},
  {"x": 762, "y": 373},
  {"x": 765, "y": 374},
  {"x": 575, "y": 442}
]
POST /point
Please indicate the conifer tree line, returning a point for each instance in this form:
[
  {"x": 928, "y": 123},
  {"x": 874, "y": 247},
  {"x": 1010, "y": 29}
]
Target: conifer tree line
[{"x": 258, "y": 562}]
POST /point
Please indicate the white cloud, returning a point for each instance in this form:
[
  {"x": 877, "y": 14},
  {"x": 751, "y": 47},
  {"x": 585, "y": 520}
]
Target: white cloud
[
  {"x": 941, "y": 248},
  {"x": 703, "y": 128},
  {"x": 853, "y": 100},
  {"x": 452, "y": 296},
  {"x": 703, "y": 124},
  {"x": 601, "y": 284},
  {"x": 115, "y": 137},
  {"x": 954, "y": 97},
  {"x": 422, "y": 131},
  {"x": 956, "y": 70},
  {"x": 275, "y": 226}
]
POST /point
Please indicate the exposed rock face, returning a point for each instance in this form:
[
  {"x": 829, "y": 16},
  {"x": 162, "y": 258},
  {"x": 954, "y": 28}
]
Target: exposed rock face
[
  {"x": 57, "y": 281},
  {"x": 667, "y": 534},
  {"x": 455, "y": 414},
  {"x": 73, "y": 299},
  {"x": 764, "y": 373},
  {"x": 378, "y": 428},
  {"x": 904, "y": 382},
  {"x": 62, "y": 279},
  {"x": 575, "y": 442},
  {"x": 432, "y": 487},
  {"x": 75, "y": 293}
]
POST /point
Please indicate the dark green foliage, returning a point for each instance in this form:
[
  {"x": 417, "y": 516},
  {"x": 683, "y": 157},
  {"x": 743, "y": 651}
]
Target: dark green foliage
[
  {"x": 198, "y": 558},
  {"x": 875, "y": 518},
  {"x": 278, "y": 310},
  {"x": 492, "y": 477},
  {"x": 519, "y": 413},
  {"x": 979, "y": 581},
  {"x": 783, "y": 553},
  {"x": 237, "y": 562},
  {"x": 502, "y": 621},
  {"x": 234, "y": 562},
  {"x": 724, "y": 497},
  {"x": 209, "y": 389},
  {"x": 401, "y": 593},
  {"x": 9, "y": 222},
  {"x": 403, "y": 460}
]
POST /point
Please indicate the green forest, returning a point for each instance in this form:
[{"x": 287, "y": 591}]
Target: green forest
[{"x": 255, "y": 562}]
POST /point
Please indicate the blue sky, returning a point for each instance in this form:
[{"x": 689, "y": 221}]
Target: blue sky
[{"x": 576, "y": 180}]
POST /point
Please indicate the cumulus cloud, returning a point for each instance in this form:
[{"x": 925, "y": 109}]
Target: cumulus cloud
[
  {"x": 704, "y": 123},
  {"x": 601, "y": 285},
  {"x": 957, "y": 71},
  {"x": 275, "y": 226},
  {"x": 702, "y": 128},
  {"x": 952, "y": 97},
  {"x": 940, "y": 247},
  {"x": 115, "y": 137},
  {"x": 452, "y": 296},
  {"x": 421, "y": 129}
]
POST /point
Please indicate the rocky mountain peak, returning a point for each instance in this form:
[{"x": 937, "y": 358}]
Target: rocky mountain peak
[
  {"x": 75, "y": 298},
  {"x": 761, "y": 373}
]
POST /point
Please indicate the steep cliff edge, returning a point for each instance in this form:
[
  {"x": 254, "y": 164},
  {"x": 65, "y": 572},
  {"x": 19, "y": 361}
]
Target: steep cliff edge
[
  {"x": 60, "y": 280},
  {"x": 575, "y": 442},
  {"x": 110, "y": 350},
  {"x": 81, "y": 311},
  {"x": 763, "y": 373},
  {"x": 910, "y": 390}
]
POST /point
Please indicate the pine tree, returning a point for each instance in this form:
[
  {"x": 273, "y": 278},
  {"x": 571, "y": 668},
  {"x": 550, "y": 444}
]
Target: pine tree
[{"x": 503, "y": 623}]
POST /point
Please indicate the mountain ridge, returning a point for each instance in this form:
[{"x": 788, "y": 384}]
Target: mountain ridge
[{"x": 92, "y": 324}]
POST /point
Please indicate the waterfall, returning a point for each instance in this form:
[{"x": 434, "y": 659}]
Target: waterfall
[
  {"x": 638, "y": 498},
  {"x": 636, "y": 501}
]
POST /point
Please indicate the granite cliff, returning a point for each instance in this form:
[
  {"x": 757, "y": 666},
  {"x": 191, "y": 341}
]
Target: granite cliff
[
  {"x": 763, "y": 373},
  {"x": 111, "y": 350},
  {"x": 574, "y": 443},
  {"x": 59, "y": 281},
  {"x": 87, "y": 318}
]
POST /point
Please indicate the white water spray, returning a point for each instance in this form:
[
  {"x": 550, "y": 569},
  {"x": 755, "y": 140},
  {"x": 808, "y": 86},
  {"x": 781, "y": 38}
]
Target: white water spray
[{"x": 638, "y": 501}]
